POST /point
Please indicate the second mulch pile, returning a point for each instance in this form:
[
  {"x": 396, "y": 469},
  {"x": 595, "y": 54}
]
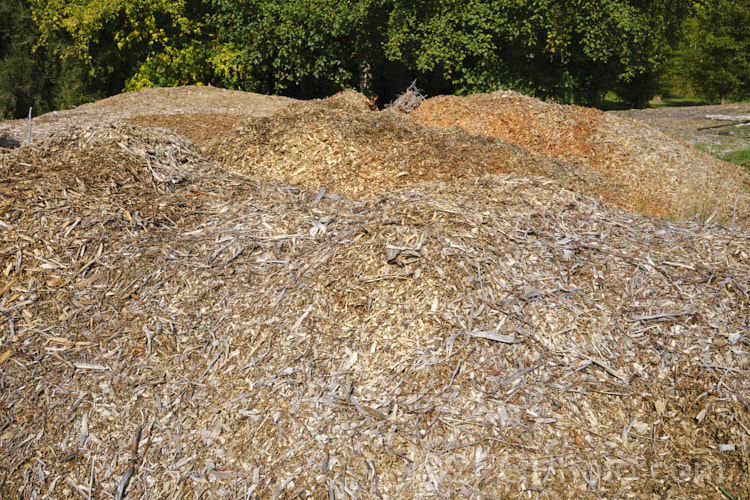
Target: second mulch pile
[{"x": 661, "y": 175}]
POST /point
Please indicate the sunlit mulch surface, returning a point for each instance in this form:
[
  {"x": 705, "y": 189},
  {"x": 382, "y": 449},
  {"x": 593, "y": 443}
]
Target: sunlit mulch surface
[
  {"x": 187, "y": 108},
  {"x": 173, "y": 330},
  {"x": 341, "y": 145},
  {"x": 662, "y": 175},
  {"x": 199, "y": 128}
]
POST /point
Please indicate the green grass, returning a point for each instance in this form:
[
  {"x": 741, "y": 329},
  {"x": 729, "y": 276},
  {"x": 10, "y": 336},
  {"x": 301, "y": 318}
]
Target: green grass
[
  {"x": 739, "y": 156},
  {"x": 732, "y": 147},
  {"x": 612, "y": 103},
  {"x": 678, "y": 102}
]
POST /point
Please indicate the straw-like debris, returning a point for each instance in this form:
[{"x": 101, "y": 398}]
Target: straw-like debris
[
  {"x": 339, "y": 144},
  {"x": 224, "y": 337},
  {"x": 410, "y": 100},
  {"x": 662, "y": 175},
  {"x": 153, "y": 157}
]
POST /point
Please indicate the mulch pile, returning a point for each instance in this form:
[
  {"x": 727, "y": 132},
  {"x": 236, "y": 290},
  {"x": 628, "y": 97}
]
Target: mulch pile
[
  {"x": 343, "y": 146},
  {"x": 198, "y": 113},
  {"x": 172, "y": 328},
  {"x": 662, "y": 175}
]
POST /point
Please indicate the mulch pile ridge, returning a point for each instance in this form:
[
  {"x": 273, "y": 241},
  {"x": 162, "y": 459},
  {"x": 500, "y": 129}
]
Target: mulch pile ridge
[
  {"x": 178, "y": 108},
  {"x": 174, "y": 329},
  {"x": 341, "y": 145},
  {"x": 662, "y": 175}
]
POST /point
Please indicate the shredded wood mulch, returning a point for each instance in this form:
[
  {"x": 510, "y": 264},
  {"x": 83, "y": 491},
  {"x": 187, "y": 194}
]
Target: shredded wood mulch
[
  {"x": 178, "y": 107},
  {"x": 171, "y": 328},
  {"x": 341, "y": 145},
  {"x": 199, "y": 128},
  {"x": 662, "y": 175}
]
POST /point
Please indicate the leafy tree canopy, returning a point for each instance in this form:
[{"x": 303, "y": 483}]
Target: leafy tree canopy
[
  {"x": 714, "y": 56},
  {"x": 126, "y": 40},
  {"x": 35, "y": 78},
  {"x": 572, "y": 51}
]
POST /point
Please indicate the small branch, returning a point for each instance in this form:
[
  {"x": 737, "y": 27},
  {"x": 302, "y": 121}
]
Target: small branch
[
  {"x": 734, "y": 210},
  {"x": 91, "y": 480},
  {"x": 29, "y": 139},
  {"x": 662, "y": 316},
  {"x": 730, "y": 118},
  {"x": 123, "y": 486},
  {"x": 733, "y": 119}
]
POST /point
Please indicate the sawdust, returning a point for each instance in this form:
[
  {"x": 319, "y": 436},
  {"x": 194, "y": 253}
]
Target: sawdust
[
  {"x": 662, "y": 175},
  {"x": 200, "y": 128}
]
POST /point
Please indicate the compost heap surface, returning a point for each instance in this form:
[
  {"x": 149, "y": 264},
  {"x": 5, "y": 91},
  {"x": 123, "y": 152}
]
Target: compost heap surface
[
  {"x": 662, "y": 175},
  {"x": 341, "y": 145},
  {"x": 174, "y": 329},
  {"x": 196, "y": 112}
]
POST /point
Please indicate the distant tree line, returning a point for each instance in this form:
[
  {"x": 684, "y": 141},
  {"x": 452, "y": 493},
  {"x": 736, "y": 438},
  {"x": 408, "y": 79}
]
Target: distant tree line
[{"x": 60, "y": 53}]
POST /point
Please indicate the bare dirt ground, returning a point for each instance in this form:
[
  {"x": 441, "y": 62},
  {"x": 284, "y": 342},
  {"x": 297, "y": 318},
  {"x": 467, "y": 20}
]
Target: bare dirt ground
[
  {"x": 459, "y": 317},
  {"x": 689, "y": 123},
  {"x": 718, "y": 138}
]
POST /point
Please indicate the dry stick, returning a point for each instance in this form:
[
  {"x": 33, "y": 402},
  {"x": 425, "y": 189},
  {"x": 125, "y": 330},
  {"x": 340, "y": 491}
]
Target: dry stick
[
  {"x": 734, "y": 210},
  {"x": 120, "y": 494},
  {"x": 91, "y": 481},
  {"x": 29, "y": 139},
  {"x": 662, "y": 316}
]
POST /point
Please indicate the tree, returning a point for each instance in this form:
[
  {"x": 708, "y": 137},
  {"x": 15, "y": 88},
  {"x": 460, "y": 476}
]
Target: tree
[
  {"x": 301, "y": 48},
  {"x": 569, "y": 51},
  {"x": 125, "y": 43},
  {"x": 35, "y": 78},
  {"x": 714, "y": 56}
]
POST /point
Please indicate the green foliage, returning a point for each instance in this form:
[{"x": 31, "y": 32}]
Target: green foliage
[
  {"x": 714, "y": 56},
  {"x": 739, "y": 156},
  {"x": 303, "y": 48},
  {"x": 575, "y": 51},
  {"x": 120, "y": 40},
  {"x": 568, "y": 51},
  {"x": 31, "y": 78}
]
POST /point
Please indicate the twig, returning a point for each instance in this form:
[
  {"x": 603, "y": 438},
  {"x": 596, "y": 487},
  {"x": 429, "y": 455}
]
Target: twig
[
  {"x": 29, "y": 139},
  {"x": 91, "y": 480},
  {"x": 515, "y": 376},
  {"x": 505, "y": 339},
  {"x": 120, "y": 494},
  {"x": 662, "y": 316},
  {"x": 734, "y": 210},
  {"x": 458, "y": 369}
]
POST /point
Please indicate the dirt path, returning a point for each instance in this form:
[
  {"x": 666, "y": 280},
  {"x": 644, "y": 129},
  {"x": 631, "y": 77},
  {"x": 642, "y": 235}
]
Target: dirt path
[
  {"x": 684, "y": 121},
  {"x": 690, "y": 123}
]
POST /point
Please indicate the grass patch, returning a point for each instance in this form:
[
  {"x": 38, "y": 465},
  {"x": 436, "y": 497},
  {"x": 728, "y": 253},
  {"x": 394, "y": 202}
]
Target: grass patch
[
  {"x": 739, "y": 156},
  {"x": 677, "y": 102},
  {"x": 611, "y": 102}
]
